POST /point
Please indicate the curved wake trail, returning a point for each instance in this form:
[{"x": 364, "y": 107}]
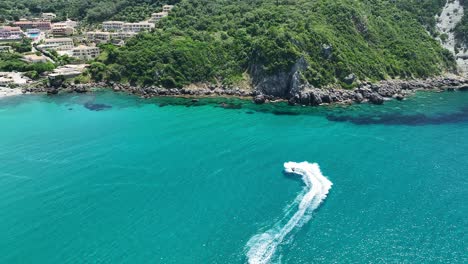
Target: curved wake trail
[{"x": 262, "y": 247}]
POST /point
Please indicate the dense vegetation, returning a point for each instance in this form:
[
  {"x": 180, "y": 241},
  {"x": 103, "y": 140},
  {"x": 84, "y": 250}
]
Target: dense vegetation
[
  {"x": 423, "y": 10},
  {"x": 89, "y": 11},
  {"x": 24, "y": 45},
  {"x": 221, "y": 40},
  {"x": 225, "y": 40},
  {"x": 13, "y": 62}
]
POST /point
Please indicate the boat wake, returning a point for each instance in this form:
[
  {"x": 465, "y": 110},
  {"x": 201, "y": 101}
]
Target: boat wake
[{"x": 262, "y": 247}]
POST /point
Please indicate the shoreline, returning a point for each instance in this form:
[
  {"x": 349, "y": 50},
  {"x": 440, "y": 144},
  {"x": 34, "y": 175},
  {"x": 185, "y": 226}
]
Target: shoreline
[
  {"x": 6, "y": 92},
  {"x": 365, "y": 92}
]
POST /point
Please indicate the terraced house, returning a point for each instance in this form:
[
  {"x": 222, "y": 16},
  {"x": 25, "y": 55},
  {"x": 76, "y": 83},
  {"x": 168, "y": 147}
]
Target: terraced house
[
  {"x": 137, "y": 27},
  {"x": 59, "y": 43},
  {"x": 26, "y": 24},
  {"x": 85, "y": 52},
  {"x": 9, "y": 33},
  {"x": 112, "y": 25},
  {"x": 155, "y": 17}
]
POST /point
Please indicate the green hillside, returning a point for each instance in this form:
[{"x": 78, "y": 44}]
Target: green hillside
[
  {"x": 220, "y": 40},
  {"x": 88, "y": 11},
  {"x": 230, "y": 42}
]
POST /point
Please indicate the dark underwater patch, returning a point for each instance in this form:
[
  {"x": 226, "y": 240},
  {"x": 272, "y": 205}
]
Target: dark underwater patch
[
  {"x": 407, "y": 120},
  {"x": 96, "y": 107},
  {"x": 230, "y": 106},
  {"x": 287, "y": 113}
]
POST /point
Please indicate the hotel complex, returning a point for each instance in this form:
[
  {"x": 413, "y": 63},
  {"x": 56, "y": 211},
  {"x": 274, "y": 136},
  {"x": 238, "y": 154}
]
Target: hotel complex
[{"x": 58, "y": 35}]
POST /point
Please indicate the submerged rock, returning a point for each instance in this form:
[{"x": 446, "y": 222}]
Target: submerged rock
[{"x": 96, "y": 107}]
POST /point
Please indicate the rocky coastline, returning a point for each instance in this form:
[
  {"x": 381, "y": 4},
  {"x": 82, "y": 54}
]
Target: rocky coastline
[{"x": 375, "y": 93}]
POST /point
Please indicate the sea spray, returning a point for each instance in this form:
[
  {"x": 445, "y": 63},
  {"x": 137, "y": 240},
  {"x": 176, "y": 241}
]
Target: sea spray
[{"x": 262, "y": 247}]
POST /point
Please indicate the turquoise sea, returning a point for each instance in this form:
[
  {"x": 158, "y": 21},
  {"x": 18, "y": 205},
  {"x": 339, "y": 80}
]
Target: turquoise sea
[{"x": 111, "y": 178}]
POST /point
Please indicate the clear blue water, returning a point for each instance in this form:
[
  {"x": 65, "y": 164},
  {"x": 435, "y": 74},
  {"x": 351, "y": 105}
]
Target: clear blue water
[{"x": 109, "y": 178}]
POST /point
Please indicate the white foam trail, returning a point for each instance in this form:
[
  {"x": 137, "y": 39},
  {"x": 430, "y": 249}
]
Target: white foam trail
[{"x": 262, "y": 247}]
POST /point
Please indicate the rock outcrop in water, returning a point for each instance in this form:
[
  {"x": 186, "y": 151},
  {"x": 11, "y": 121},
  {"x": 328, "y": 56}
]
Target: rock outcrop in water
[{"x": 375, "y": 93}]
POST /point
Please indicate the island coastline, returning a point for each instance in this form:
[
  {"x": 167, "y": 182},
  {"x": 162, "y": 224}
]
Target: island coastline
[{"x": 374, "y": 93}]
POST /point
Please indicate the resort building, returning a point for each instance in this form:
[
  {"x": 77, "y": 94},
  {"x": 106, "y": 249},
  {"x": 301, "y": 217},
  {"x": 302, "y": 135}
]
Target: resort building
[
  {"x": 67, "y": 23},
  {"x": 10, "y": 33},
  {"x": 62, "y": 30},
  {"x": 41, "y": 25},
  {"x": 97, "y": 36},
  {"x": 66, "y": 28},
  {"x": 48, "y": 16},
  {"x": 167, "y": 8},
  {"x": 137, "y": 27},
  {"x": 68, "y": 71},
  {"x": 112, "y": 25},
  {"x": 105, "y": 37},
  {"x": 33, "y": 58},
  {"x": 122, "y": 35},
  {"x": 118, "y": 38},
  {"x": 85, "y": 52},
  {"x": 59, "y": 43},
  {"x": 155, "y": 17}
]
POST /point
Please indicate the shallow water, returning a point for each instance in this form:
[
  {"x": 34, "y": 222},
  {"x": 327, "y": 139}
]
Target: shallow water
[{"x": 110, "y": 178}]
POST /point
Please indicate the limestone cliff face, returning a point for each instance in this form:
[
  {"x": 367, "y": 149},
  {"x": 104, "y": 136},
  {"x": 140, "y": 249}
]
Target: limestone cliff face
[
  {"x": 282, "y": 84},
  {"x": 451, "y": 15}
]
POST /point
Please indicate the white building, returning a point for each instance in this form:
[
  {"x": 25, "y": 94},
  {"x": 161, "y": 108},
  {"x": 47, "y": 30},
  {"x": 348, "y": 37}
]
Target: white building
[
  {"x": 112, "y": 25},
  {"x": 122, "y": 35},
  {"x": 155, "y": 17},
  {"x": 137, "y": 27},
  {"x": 85, "y": 52},
  {"x": 105, "y": 37},
  {"x": 48, "y": 16},
  {"x": 167, "y": 8},
  {"x": 71, "y": 23},
  {"x": 8, "y": 33},
  {"x": 97, "y": 36},
  {"x": 68, "y": 71},
  {"x": 66, "y": 28},
  {"x": 59, "y": 43}
]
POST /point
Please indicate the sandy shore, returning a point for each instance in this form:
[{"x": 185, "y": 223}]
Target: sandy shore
[{"x": 9, "y": 92}]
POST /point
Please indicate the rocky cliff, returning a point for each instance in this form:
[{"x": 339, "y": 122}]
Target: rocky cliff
[{"x": 451, "y": 15}]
